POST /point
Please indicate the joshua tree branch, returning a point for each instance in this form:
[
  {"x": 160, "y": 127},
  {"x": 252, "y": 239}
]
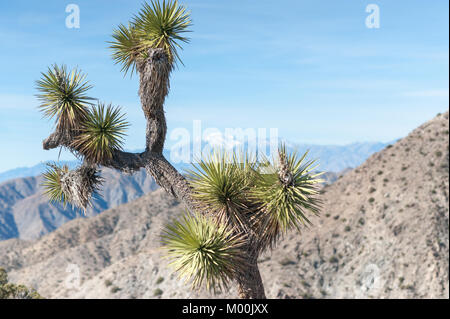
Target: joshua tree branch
[
  {"x": 155, "y": 164},
  {"x": 53, "y": 141}
]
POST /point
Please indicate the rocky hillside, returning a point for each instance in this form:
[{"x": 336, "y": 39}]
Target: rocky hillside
[
  {"x": 384, "y": 230},
  {"x": 123, "y": 237},
  {"x": 383, "y": 233},
  {"x": 26, "y": 213}
]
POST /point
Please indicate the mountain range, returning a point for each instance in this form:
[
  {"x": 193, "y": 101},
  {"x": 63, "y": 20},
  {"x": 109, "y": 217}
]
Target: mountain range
[
  {"x": 332, "y": 158},
  {"x": 26, "y": 213},
  {"x": 383, "y": 233}
]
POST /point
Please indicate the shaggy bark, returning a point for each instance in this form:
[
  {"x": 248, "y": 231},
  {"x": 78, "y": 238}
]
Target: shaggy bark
[
  {"x": 154, "y": 86},
  {"x": 250, "y": 285},
  {"x": 54, "y": 140}
]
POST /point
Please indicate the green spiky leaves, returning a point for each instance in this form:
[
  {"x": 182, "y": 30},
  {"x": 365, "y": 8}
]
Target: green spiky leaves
[
  {"x": 265, "y": 199},
  {"x": 52, "y": 183},
  {"x": 127, "y": 47},
  {"x": 220, "y": 184},
  {"x": 204, "y": 251},
  {"x": 63, "y": 95},
  {"x": 155, "y": 26},
  {"x": 93, "y": 132},
  {"x": 162, "y": 25},
  {"x": 101, "y": 134},
  {"x": 286, "y": 191},
  {"x": 76, "y": 186}
]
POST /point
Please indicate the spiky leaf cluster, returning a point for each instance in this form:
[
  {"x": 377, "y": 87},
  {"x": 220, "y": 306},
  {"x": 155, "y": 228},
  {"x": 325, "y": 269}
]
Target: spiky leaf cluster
[
  {"x": 80, "y": 185},
  {"x": 204, "y": 251},
  {"x": 63, "y": 94},
  {"x": 75, "y": 187},
  {"x": 286, "y": 191},
  {"x": 221, "y": 184},
  {"x": 266, "y": 199},
  {"x": 52, "y": 183},
  {"x": 155, "y": 26},
  {"x": 101, "y": 134}
]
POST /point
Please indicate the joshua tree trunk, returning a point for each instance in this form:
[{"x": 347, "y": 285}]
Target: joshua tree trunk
[
  {"x": 154, "y": 86},
  {"x": 250, "y": 285}
]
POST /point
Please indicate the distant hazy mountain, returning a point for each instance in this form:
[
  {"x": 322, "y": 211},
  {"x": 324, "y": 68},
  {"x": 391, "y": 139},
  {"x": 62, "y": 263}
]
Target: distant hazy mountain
[
  {"x": 332, "y": 158},
  {"x": 336, "y": 158},
  {"x": 35, "y": 170}
]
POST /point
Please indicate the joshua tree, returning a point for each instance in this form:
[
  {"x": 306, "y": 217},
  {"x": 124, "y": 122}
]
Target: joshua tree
[{"x": 236, "y": 206}]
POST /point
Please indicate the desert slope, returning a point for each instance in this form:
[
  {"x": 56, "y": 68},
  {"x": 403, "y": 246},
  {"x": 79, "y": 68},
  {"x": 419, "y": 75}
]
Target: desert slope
[
  {"x": 384, "y": 230},
  {"x": 383, "y": 233}
]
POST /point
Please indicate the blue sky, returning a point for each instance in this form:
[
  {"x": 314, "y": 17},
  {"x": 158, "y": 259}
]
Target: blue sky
[{"x": 312, "y": 69}]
